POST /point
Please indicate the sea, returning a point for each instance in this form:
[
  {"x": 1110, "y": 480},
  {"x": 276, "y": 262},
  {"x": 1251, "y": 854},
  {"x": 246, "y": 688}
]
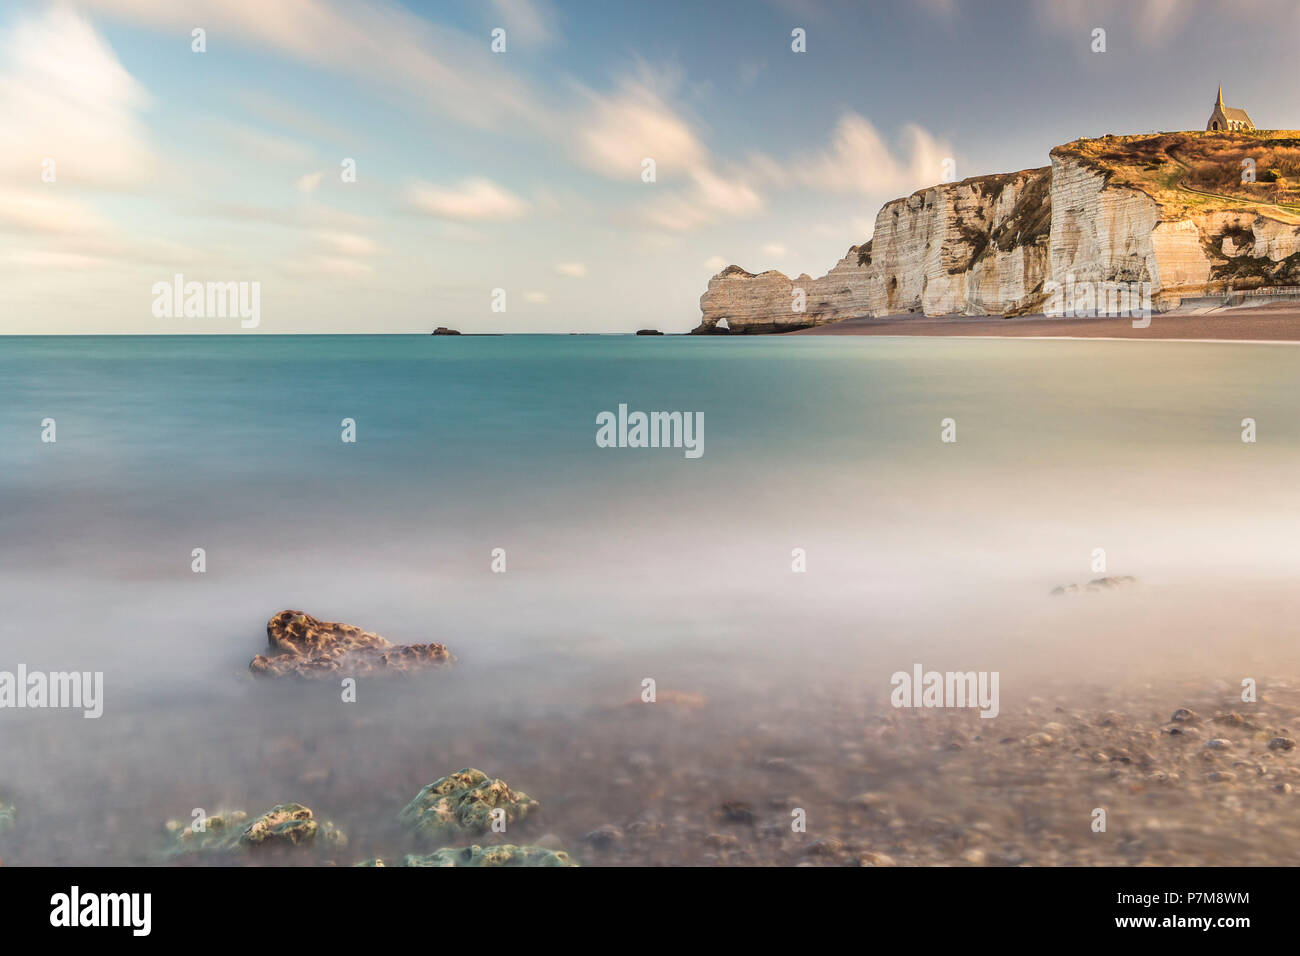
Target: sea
[{"x": 859, "y": 506}]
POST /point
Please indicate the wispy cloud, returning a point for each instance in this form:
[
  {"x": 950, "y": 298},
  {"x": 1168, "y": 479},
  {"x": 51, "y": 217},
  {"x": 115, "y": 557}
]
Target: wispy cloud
[
  {"x": 310, "y": 182},
  {"x": 347, "y": 243},
  {"x": 65, "y": 96},
  {"x": 621, "y": 129},
  {"x": 472, "y": 200},
  {"x": 451, "y": 72},
  {"x": 859, "y": 159}
]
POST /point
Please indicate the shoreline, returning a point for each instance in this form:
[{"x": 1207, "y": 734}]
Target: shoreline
[{"x": 1265, "y": 324}]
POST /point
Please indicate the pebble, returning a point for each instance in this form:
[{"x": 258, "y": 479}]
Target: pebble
[
  {"x": 736, "y": 812},
  {"x": 604, "y": 836},
  {"x": 828, "y": 847},
  {"x": 1281, "y": 743},
  {"x": 640, "y": 760}
]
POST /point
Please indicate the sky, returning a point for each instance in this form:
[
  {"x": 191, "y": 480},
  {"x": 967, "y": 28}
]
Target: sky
[{"x": 507, "y": 190}]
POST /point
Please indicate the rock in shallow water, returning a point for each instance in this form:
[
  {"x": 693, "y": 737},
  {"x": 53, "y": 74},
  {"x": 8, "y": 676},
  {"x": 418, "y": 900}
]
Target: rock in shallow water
[
  {"x": 304, "y": 646},
  {"x": 1108, "y": 583},
  {"x": 463, "y": 802},
  {"x": 284, "y": 825},
  {"x": 505, "y": 855},
  {"x": 604, "y": 836}
]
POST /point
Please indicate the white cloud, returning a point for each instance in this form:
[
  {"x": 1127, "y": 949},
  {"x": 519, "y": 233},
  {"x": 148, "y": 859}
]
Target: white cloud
[
  {"x": 451, "y": 72},
  {"x": 329, "y": 267},
  {"x": 310, "y": 182},
  {"x": 575, "y": 270},
  {"x": 860, "y": 160},
  {"x": 619, "y": 130},
  {"x": 64, "y": 95},
  {"x": 347, "y": 243},
  {"x": 472, "y": 200},
  {"x": 537, "y": 298},
  {"x": 45, "y": 211},
  {"x": 57, "y": 231},
  {"x": 715, "y": 263},
  {"x": 61, "y": 261},
  {"x": 709, "y": 198},
  {"x": 775, "y": 250}
]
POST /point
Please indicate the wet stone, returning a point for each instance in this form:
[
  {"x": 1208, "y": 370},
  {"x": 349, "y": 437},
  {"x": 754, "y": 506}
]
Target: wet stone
[
  {"x": 604, "y": 837},
  {"x": 503, "y": 855},
  {"x": 463, "y": 802},
  {"x": 736, "y": 812}
]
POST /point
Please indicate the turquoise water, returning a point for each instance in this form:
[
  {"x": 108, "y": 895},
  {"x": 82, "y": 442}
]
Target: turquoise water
[
  {"x": 232, "y": 444},
  {"x": 620, "y": 562}
]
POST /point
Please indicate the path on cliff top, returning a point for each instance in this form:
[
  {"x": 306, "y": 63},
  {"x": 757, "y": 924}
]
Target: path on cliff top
[{"x": 1294, "y": 210}]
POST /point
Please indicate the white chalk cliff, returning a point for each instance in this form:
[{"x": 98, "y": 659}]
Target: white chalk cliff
[{"x": 989, "y": 245}]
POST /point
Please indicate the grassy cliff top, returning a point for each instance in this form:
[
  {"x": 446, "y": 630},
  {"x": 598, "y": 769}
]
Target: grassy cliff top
[{"x": 1197, "y": 172}]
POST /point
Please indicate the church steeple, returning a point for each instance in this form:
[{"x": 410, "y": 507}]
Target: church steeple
[{"x": 1227, "y": 118}]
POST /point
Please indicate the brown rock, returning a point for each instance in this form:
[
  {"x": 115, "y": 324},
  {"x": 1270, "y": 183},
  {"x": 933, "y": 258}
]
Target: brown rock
[{"x": 303, "y": 646}]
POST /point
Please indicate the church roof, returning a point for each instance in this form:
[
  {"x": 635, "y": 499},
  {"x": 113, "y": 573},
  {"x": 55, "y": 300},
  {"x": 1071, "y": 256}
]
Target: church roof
[{"x": 1232, "y": 113}]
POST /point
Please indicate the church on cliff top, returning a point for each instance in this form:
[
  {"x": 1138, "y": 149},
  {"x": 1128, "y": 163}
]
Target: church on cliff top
[{"x": 1227, "y": 117}]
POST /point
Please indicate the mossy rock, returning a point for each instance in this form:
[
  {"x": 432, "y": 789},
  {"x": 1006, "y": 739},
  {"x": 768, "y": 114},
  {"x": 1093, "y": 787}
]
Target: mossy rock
[
  {"x": 220, "y": 832},
  {"x": 8, "y": 817},
  {"x": 463, "y": 802},
  {"x": 290, "y": 824},
  {"x": 506, "y": 854},
  {"x": 284, "y": 825}
]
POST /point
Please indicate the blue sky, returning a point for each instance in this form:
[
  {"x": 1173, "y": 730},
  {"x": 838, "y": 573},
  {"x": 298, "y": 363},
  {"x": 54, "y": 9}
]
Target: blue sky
[{"x": 522, "y": 170}]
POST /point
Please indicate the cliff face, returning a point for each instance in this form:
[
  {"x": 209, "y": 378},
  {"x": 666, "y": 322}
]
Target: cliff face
[
  {"x": 975, "y": 246},
  {"x": 1112, "y": 210},
  {"x": 767, "y": 302}
]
